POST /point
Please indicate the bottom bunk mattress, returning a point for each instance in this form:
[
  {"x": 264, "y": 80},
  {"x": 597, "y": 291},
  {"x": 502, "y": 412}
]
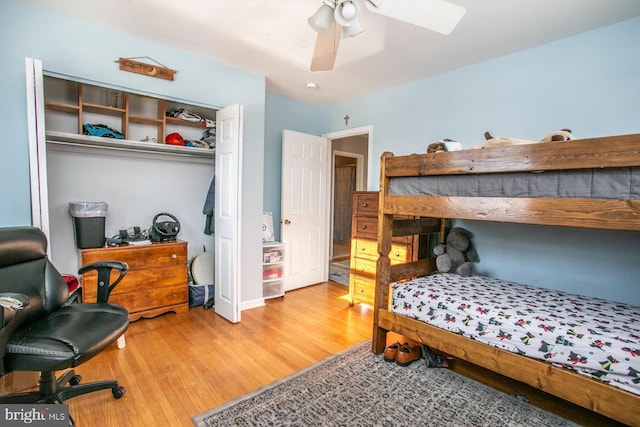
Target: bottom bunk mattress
[{"x": 592, "y": 336}]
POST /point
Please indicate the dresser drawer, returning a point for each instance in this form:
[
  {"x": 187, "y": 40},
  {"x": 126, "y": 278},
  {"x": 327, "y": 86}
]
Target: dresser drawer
[
  {"x": 364, "y": 267},
  {"x": 365, "y": 204},
  {"x": 366, "y": 226},
  {"x": 369, "y": 249},
  {"x": 136, "y": 281},
  {"x": 149, "y": 300},
  {"x": 141, "y": 257},
  {"x": 363, "y": 290}
]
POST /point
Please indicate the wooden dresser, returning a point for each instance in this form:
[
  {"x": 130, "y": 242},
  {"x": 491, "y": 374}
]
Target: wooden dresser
[
  {"x": 157, "y": 281},
  {"x": 364, "y": 247}
]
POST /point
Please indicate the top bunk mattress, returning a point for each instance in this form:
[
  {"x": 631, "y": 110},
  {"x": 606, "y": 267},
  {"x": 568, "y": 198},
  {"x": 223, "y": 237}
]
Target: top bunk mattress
[
  {"x": 594, "y": 337},
  {"x": 610, "y": 183}
]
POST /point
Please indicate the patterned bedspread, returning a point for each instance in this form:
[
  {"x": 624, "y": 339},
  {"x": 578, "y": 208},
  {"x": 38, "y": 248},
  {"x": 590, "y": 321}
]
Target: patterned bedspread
[{"x": 592, "y": 336}]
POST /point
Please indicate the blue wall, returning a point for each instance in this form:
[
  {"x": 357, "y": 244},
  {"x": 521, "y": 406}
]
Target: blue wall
[{"x": 589, "y": 83}]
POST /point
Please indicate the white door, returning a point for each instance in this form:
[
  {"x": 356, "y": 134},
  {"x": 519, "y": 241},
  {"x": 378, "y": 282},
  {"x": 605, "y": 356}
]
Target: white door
[
  {"x": 227, "y": 199},
  {"x": 304, "y": 231},
  {"x": 37, "y": 147}
]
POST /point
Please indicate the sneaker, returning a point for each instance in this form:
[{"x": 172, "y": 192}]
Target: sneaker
[{"x": 433, "y": 360}]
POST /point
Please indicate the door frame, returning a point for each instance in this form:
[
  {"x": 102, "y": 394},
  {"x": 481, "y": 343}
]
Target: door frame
[
  {"x": 329, "y": 216},
  {"x": 37, "y": 147},
  {"x": 359, "y": 185}
]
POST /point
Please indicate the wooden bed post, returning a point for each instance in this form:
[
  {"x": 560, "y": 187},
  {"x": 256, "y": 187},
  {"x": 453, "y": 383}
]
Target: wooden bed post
[
  {"x": 385, "y": 224},
  {"x": 443, "y": 231}
]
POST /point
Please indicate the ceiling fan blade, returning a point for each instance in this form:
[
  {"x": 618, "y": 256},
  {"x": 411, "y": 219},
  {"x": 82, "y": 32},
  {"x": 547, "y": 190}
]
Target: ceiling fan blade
[
  {"x": 436, "y": 15},
  {"x": 324, "y": 55}
]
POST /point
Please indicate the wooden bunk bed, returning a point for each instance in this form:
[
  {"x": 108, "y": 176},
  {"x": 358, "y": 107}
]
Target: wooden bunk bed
[{"x": 618, "y": 212}]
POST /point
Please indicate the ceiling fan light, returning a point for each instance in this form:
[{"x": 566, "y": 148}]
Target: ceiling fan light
[
  {"x": 346, "y": 12},
  {"x": 352, "y": 30},
  {"x": 321, "y": 20}
]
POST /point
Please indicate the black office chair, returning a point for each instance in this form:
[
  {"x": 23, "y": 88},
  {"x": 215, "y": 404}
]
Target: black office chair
[{"x": 41, "y": 331}]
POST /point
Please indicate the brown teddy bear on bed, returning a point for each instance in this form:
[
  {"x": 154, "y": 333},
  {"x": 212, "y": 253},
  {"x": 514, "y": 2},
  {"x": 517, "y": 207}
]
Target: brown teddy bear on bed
[
  {"x": 457, "y": 253},
  {"x": 559, "y": 135}
]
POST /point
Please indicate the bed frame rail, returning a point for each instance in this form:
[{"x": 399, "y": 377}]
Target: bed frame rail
[
  {"x": 609, "y": 214},
  {"x": 584, "y": 391},
  {"x": 611, "y": 151}
]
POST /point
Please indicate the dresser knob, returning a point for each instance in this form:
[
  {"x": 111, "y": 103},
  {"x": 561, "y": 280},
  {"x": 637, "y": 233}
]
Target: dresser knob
[
  {"x": 364, "y": 227},
  {"x": 174, "y": 256},
  {"x": 397, "y": 254},
  {"x": 364, "y": 205}
]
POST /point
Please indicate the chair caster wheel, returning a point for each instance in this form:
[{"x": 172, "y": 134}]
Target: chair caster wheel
[
  {"x": 75, "y": 380},
  {"x": 118, "y": 392}
]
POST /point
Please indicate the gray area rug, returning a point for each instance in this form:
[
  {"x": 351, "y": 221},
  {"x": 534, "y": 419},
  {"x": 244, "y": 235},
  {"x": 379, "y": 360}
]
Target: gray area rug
[
  {"x": 339, "y": 272},
  {"x": 358, "y": 388}
]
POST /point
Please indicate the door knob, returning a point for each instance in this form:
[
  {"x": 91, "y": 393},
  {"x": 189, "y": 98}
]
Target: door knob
[{"x": 287, "y": 222}]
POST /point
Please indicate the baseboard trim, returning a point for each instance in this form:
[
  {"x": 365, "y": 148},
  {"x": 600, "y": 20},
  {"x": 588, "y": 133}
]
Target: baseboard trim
[{"x": 255, "y": 303}]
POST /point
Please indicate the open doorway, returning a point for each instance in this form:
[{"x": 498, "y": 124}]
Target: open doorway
[
  {"x": 345, "y": 169},
  {"x": 349, "y": 174}
]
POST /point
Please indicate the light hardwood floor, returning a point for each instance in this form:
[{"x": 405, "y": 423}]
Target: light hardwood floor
[{"x": 179, "y": 365}]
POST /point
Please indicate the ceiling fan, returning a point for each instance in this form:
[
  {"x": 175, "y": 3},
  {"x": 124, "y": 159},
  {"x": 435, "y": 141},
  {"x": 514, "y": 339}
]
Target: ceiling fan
[{"x": 337, "y": 19}]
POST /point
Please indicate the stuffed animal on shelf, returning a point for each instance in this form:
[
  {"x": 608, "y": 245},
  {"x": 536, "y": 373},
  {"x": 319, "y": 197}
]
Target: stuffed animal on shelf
[
  {"x": 559, "y": 135},
  {"x": 443, "y": 145},
  {"x": 457, "y": 253}
]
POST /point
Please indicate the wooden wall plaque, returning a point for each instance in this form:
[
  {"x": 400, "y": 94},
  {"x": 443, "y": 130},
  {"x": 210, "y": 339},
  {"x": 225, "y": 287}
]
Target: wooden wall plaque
[{"x": 146, "y": 69}]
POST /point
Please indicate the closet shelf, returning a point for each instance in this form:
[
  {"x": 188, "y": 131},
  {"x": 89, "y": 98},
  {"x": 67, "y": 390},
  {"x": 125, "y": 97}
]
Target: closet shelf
[
  {"x": 60, "y": 106},
  {"x": 144, "y": 119},
  {"x": 103, "y": 109},
  {"x": 182, "y": 122},
  {"x": 73, "y": 139}
]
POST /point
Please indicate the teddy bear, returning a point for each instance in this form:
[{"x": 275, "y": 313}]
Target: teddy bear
[{"x": 457, "y": 253}]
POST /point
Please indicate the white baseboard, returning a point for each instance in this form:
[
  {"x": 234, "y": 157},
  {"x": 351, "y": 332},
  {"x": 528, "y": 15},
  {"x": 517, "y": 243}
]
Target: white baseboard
[{"x": 248, "y": 305}]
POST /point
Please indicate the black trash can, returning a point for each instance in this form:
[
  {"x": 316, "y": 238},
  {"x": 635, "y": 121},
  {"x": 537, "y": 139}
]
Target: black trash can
[{"x": 88, "y": 223}]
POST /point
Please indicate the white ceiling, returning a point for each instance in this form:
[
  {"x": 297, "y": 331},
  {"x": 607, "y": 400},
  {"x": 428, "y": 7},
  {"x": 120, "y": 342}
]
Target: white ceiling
[{"x": 272, "y": 38}]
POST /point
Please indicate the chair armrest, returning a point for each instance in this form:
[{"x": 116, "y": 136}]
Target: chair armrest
[
  {"x": 10, "y": 301},
  {"x": 13, "y": 300},
  {"x": 104, "y": 269}
]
